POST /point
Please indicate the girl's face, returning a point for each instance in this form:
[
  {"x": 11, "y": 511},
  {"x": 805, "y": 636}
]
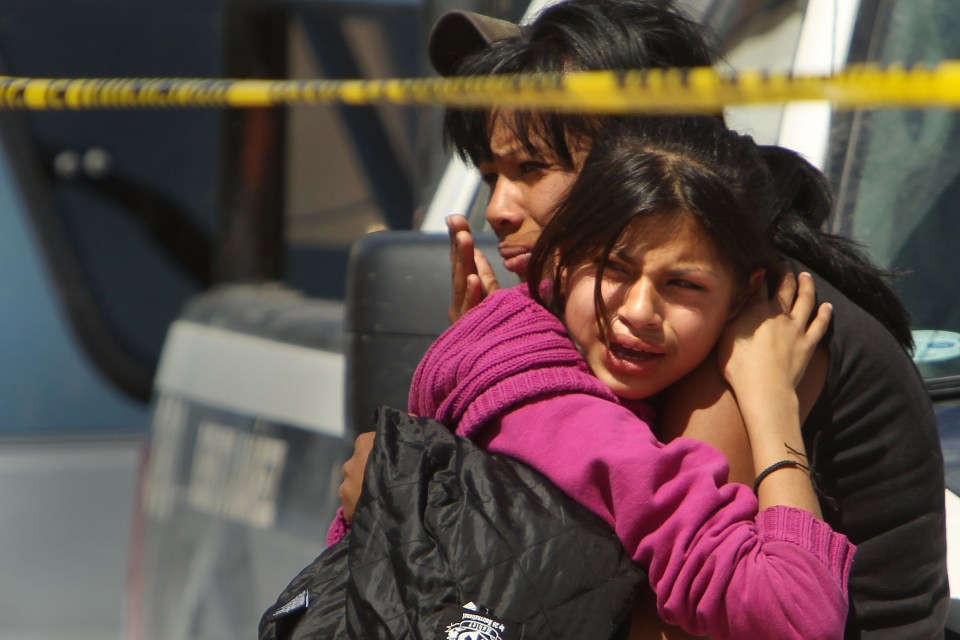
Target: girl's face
[
  {"x": 668, "y": 291},
  {"x": 524, "y": 189}
]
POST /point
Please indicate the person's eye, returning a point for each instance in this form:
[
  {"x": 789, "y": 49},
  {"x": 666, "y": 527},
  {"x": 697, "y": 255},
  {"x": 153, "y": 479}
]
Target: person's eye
[
  {"x": 686, "y": 284},
  {"x": 616, "y": 268},
  {"x": 532, "y": 165}
]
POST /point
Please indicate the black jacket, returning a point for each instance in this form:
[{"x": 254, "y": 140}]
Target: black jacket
[{"x": 440, "y": 525}]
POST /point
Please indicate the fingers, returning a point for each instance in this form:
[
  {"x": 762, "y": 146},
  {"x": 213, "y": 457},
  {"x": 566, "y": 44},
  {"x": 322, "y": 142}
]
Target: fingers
[
  {"x": 472, "y": 277},
  {"x": 820, "y": 323},
  {"x": 779, "y": 333},
  {"x": 457, "y": 222},
  {"x": 476, "y": 287},
  {"x": 806, "y": 297},
  {"x": 810, "y": 330},
  {"x": 463, "y": 245},
  {"x": 472, "y": 295},
  {"x": 462, "y": 264},
  {"x": 488, "y": 278},
  {"x": 786, "y": 287}
]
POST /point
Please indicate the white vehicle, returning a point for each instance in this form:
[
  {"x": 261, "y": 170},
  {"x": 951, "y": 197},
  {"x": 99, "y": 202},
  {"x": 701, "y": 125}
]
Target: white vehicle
[
  {"x": 260, "y": 388},
  {"x": 90, "y": 279},
  {"x": 110, "y": 221}
]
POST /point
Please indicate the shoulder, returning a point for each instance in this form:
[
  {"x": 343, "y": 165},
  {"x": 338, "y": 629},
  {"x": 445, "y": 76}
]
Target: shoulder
[
  {"x": 514, "y": 303},
  {"x": 857, "y": 341},
  {"x": 869, "y": 374},
  {"x": 512, "y": 300},
  {"x": 487, "y": 321}
]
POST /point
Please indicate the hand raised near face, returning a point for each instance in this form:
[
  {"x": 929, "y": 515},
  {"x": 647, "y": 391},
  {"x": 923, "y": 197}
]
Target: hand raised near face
[
  {"x": 472, "y": 277},
  {"x": 771, "y": 341}
]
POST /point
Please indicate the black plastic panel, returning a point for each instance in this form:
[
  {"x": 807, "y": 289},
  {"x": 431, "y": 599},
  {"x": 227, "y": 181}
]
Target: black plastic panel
[{"x": 398, "y": 291}]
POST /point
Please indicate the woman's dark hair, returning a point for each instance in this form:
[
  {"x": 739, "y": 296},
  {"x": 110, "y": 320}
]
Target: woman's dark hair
[
  {"x": 804, "y": 203},
  {"x": 673, "y": 166},
  {"x": 576, "y": 35}
]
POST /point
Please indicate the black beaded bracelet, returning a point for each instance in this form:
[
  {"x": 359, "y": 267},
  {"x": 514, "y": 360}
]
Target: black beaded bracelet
[{"x": 782, "y": 464}]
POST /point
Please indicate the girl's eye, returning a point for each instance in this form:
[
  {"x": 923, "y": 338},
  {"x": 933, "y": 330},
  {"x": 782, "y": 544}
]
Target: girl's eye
[
  {"x": 615, "y": 268},
  {"x": 686, "y": 284}
]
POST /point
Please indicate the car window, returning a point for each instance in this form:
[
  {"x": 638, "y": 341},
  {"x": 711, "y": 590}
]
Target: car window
[
  {"x": 898, "y": 179},
  {"x": 751, "y": 36}
]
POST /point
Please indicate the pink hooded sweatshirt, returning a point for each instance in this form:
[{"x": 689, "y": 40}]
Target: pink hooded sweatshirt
[{"x": 507, "y": 376}]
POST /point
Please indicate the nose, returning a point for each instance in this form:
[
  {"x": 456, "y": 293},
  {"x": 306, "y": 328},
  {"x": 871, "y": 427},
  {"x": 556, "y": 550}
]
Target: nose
[
  {"x": 641, "y": 307},
  {"x": 504, "y": 210}
]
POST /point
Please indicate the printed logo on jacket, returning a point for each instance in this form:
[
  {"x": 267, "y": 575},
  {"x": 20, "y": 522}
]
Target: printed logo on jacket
[{"x": 471, "y": 622}]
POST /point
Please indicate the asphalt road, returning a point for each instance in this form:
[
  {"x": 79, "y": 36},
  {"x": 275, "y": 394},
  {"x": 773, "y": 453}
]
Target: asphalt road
[{"x": 64, "y": 538}]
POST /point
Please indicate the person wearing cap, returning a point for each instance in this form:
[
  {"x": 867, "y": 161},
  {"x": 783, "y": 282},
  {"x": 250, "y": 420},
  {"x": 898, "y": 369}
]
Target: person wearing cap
[
  {"x": 868, "y": 426},
  {"x": 527, "y": 178}
]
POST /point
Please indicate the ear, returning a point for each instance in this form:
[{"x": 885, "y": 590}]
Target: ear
[
  {"x": 754, "y": 282},
  {"x": 564, "y": 282}
]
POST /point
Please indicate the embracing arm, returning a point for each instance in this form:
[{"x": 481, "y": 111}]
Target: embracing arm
[
  {"x": 712, "y": 569},
  {"x": 702, "y": 406},
  {"x": 715, "y": 566},
  {"x": 764, "y": 354}
]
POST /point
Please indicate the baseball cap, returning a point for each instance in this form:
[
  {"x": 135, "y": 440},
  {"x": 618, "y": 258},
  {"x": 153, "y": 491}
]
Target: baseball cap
[{"x": 456, "y": 34}]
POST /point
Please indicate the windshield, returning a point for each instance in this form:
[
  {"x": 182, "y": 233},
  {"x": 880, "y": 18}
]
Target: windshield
[{"x": 897, "y": 174}]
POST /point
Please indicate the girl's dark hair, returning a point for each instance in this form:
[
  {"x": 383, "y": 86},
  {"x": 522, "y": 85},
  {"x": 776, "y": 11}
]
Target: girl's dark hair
[
  {"x": 757, "y": 202},
  {"x": 804, "y": 203},
  {"x": 576, "y": 35},
  {"x": 672, "y": 166}
]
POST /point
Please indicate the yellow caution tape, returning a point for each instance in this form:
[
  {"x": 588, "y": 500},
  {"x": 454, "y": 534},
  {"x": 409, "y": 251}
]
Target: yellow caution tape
[{"x": 701, "y": 89}]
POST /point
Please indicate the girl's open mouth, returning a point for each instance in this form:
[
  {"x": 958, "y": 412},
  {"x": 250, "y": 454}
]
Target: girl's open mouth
[{"x": 632, "y": 354}]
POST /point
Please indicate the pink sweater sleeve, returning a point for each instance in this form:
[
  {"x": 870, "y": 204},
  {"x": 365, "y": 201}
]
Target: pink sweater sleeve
[
  {"x": 716, "y": 566},
  {"x": 338, "y": 528}
]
